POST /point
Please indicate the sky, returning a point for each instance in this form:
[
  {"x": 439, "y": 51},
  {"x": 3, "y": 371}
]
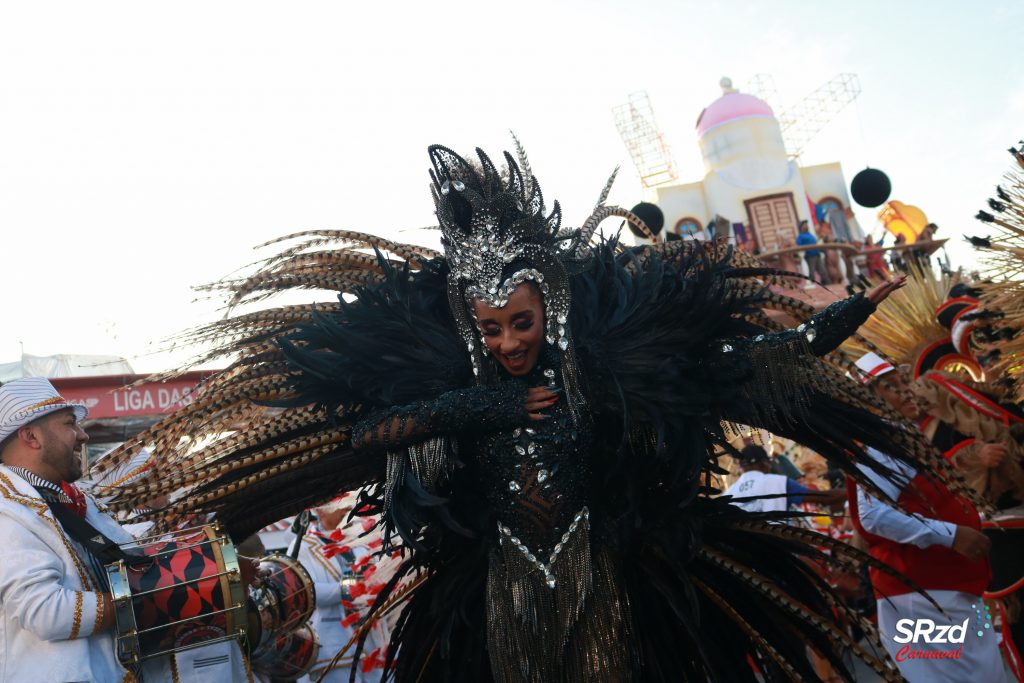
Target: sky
[{"x": 146, "y": 148}]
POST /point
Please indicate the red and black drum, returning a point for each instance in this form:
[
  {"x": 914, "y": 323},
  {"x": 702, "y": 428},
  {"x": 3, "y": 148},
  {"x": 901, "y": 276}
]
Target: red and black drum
[
  {"x": 286, "y": 597},
  {"x": 187, "y": 592},
  {"x": 289, "y": 655}
]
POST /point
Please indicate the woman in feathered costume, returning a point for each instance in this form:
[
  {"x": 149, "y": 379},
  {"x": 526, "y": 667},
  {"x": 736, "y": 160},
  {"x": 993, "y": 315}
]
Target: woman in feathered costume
[{"x": 534, "y": 417}]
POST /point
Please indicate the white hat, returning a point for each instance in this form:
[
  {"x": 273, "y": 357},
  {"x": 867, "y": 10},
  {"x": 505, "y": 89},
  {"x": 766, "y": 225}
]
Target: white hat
[
  {"x": 30, "y": 398},
  {"x": 345, "y": 502},
  {"x": 871, "y": 365}
]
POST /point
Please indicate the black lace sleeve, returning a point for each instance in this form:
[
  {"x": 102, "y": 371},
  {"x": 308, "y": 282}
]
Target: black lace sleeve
[
  {"x": 828, "y": 328},
  {"x": 477, "y": 409},
  {"x": 832, "y": 326}
]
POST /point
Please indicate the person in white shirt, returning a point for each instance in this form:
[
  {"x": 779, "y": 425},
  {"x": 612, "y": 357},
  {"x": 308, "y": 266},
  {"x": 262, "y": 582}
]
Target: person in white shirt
[
  {"x": 757, "y": 490},
  {"x": 934, "y": 539}
]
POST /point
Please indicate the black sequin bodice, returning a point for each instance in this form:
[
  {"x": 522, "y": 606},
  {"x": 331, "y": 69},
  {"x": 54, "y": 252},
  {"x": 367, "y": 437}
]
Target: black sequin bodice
[{"x": 537, "y": 477}]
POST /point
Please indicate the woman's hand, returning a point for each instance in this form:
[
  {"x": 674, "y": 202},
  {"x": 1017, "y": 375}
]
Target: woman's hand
[
  {"x": 879, "y": 293},
  {"x": 539, "y": 398}
]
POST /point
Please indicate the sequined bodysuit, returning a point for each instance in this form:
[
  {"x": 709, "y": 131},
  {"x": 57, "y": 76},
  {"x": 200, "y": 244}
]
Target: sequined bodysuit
[
  {"x": 537, "y": 477},
  {"x": 543, "y": 573},
  {"x": 556, "y": 607}
]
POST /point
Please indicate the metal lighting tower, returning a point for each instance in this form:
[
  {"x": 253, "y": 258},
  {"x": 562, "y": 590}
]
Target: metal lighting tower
[
  {"x": 805, "y": 119},
  {"x": 635, "y": 123}
]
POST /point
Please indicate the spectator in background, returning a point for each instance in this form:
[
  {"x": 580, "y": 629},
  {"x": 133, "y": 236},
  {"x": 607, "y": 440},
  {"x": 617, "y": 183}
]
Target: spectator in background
[
  {"x": 788, "y": 261},
  {"x": 831, "y": 258},
  {"x": 922, "y": 255},
  {"x": 743, "y": 237},
  {"x": 874, "y": 261},
  {"x": 896, "y": 256},
  {"x": 815, "y": 265},
  {"x": 853, "y": 264},
  {"x": 860, "y": 259},
  {"x": 780, "y": 464},
  {"x": 782, "y": 491}
]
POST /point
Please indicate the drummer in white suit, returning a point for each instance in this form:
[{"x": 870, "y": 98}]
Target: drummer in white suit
[
  {"x": 56, "y": 615},
  {"x": 328, "y": 574}
]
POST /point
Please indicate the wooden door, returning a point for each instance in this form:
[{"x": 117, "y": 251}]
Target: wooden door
[{"x": 773, "y": 220}]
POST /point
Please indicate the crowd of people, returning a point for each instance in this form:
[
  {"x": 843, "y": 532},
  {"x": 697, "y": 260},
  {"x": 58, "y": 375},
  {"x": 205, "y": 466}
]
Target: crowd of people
[
  {"x": 533, "y": 422},
  {"x": 851, "y": 263}
]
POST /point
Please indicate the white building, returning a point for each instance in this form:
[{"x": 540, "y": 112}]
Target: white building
[{"x": 751, "y": 182}]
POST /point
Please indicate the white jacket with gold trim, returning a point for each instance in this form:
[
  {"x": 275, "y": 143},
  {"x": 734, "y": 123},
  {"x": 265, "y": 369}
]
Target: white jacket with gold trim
[{"x": 50, "y": 604}]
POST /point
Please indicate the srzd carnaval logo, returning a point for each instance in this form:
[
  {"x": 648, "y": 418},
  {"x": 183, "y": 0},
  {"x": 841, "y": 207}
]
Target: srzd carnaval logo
[{"x": 914, "y": 631}]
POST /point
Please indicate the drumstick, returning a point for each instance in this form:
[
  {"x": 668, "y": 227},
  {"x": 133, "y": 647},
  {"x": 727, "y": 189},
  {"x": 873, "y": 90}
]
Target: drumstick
[{"x": 365, "y": 626}]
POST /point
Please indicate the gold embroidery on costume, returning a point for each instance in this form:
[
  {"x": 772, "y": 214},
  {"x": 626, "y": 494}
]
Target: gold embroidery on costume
[
  {"x": 99, "y": 612},
  {"x": 8, "y": 490},
  {"x": 76, "y": 625}
]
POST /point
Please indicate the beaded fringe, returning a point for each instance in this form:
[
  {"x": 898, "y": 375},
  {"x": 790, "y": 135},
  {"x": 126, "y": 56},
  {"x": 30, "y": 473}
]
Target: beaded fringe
[
  {"x": 429, "y": 461},
  {"x": 576, "y": 631}
]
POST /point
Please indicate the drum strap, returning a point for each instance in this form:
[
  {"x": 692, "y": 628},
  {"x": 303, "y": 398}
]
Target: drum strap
[
  {"x": 101, "y": 547},
  {"x": 299, "y": 527}
]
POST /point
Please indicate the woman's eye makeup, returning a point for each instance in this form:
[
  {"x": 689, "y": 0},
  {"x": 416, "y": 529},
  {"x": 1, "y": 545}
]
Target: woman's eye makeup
[{"x": 521, "y": 322}]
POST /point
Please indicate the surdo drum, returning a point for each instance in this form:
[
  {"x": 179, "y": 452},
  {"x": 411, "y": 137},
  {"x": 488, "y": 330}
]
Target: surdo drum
[
  {"x": 285, "y": 646},
  {"x": 186, "y": 591},
  {"x": 289, "y": 655},
  {"x": 285, "y": 598}
]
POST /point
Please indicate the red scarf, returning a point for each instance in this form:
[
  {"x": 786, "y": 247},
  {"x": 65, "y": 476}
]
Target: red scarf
[{"x": 77, "y": 498}]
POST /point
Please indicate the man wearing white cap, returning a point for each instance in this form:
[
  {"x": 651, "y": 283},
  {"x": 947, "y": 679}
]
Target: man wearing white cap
[
  {"x": 758, "y": 490},
  {"x": 934, "y": 540},
  {"x": 56, "y": 615}
]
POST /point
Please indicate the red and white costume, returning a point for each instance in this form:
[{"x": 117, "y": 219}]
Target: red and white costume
[
  {"x": 919, "y": 546},
  {"x": 338, "y": 582}
]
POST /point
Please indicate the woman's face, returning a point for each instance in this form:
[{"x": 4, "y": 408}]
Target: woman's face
[{"x": 514, "y": 334}]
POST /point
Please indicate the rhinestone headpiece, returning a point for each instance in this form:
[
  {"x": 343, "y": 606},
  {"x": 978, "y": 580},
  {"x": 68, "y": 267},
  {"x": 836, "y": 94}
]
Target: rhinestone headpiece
[{"x": 496, "y": 236}]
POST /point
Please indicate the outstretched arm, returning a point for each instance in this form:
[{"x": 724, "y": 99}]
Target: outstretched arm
[
  {"x": 830, "y": 327},
  {"x": 472, "y": 409},
  {"x": 838, "y": 321}
]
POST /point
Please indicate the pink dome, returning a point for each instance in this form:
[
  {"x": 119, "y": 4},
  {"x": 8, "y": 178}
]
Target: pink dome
[{"x": 730, "y": 107}]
